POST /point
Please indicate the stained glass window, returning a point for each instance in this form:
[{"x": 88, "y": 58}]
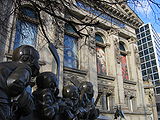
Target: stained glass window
[
  {"x": 28, "y": 12},
  {"x": 124, "y": 67},
  {"x": 26, "y": 32},
  {"x": 101, "y": 60},
  {"x": 123, "y": 61},
  {"x": 99, "y": 38},
  {"x": 70, "y": 52}
]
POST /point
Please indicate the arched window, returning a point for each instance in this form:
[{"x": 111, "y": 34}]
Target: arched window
[
  {"x": 26, "y": 28},
  {"x": 70, "y": 48},
  {"x": 123, "y": 61},
  {"x": 101, "y": 59}
]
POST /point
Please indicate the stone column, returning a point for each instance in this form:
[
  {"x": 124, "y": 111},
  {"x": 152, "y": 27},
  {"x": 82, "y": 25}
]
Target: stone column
[
  {"x": 92, "y": 64},
  {"x": 5, "y": 15},
  {"x": 116, "y": 66}
]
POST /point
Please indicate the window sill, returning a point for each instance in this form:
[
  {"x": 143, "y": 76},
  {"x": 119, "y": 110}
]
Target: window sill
[
  {"x": 102, "y": 44},
  {"x": 129, "y": 82},
  {"x": 83, "y": 72},
  {"x": 105, "y": 77}
]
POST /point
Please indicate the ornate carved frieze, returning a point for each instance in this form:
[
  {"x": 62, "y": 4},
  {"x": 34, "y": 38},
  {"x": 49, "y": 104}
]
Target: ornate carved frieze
[
  {"x": 113, "y": 31},
  {"x": 130, "y": 92},
  {"x": 73, "y": 75},
  {"x": 108, "y": 90}
]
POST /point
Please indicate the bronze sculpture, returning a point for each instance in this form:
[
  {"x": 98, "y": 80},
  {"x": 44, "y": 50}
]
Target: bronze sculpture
[
  {"x": 46, "y": 96},
  {"x": 87, "y": 102},
  {"x": 15, "y": 76},
  {"x": 45, "y": 104}
]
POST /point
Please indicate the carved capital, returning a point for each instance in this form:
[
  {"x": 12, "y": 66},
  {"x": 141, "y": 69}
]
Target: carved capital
[
  {"x": 113, "y": 31},
  {"x": 132, "y": 40}
]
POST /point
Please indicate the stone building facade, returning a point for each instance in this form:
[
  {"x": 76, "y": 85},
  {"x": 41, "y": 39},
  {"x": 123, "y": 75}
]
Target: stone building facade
[{"x": 108, "y": 57}]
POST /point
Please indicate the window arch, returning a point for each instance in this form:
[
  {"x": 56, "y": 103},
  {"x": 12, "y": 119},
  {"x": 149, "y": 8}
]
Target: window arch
[
  {"x": 26, "y": 27},
  {"x": 70, "y": 48},
  {"x": 123, "y": 60},
  {"x": 100, "y": 56}
]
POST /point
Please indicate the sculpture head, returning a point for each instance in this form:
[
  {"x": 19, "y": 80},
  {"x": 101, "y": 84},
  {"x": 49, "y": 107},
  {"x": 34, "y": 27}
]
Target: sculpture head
[
  {"x": 71, "y": 92},
  {"x": 87, "y": 88},
  {"x": 48, "y": 80},
  {"x": 27, "y": 54}
]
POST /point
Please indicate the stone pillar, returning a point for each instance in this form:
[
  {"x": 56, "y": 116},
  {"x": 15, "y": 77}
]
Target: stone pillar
[
  {"x": 92, "y": 64},
  {"x": 116, "y": 66},
  {"x": 104, "y": 101},
  {"x": 5, "y": 14}
]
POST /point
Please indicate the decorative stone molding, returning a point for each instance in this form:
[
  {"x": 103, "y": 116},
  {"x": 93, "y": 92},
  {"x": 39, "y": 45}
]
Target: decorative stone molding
[
  {"x": 132, "y": 40},
  {"x": 137, "y": 58},
  {"x": 73, "y": 74},
  {"x": 130, "y": 93},
  {"x": 106, "y": 89},
  {"x": 113, "y": 31},
  {"x": 129, "y": 82}
]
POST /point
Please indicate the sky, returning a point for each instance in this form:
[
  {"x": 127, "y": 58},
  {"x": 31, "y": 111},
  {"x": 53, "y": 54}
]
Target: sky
[{"x": 148, "y": 12}]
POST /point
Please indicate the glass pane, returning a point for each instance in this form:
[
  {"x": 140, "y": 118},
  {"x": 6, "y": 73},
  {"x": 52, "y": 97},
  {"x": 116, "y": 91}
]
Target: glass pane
[
  {"x": 146, "y": 52},
  {"x": 144, "y": 72},
  {"x": 151, "y": 50},
  {"x": 149, "y": 71},
  {"x": 143, "y": 66},
  {"x": 138, "y": 36},
  {"x": 148, "y": 64},
  {"x": 150, "y": 44},
  {"x": 29, "y": 12},
  {"x": 142, "y": 59},
  {"x": 143, "y": 40},
  {"x": 142, "y": 29},
  {"x": 69, "y": 28},
  {"x": 152, "y": 56},
  {"x": 155, "y": 69},
  {"x": 146, "y": 27},
  {"x": 124, "y": 67},
  {"x": 158, "y": 90},
  {"x": 141, "y": 54},
  {"x": 153, "y": 62},
  {"x": 137, "y": 31},
  {"x": 147, "y": 57},
  {"x": 157, "y": 83},
  {"x": 147, "y": 32},
  {"x": 99, "y": 38},
  {"x": 156, "y": 76},
  {"x": 148, "y": 38},
  {"x": 26, "y": 34},
  {"x": 139, "y": 42},
  {"x": 121, "y": 46},
  {"x": 145, "y": 46},
  {"x": 142, "y": 34},
  {"x": 101, "y": 61},
  {"x": 70, "y": 52},
  {"x": 139, "y": 48}
]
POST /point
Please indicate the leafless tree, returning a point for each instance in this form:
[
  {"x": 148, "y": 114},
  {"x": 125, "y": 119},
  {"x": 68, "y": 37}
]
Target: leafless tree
[{"x": 57, "y": 10}]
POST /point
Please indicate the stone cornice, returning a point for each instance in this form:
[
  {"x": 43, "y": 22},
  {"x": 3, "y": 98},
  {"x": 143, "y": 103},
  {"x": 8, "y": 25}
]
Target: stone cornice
[{"x": 126, "y": 16}]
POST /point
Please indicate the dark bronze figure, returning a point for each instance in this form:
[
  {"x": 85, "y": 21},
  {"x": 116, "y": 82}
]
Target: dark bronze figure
[
  {"x": 87, "y": 102},
  {"x": 15, "y": 76},
  {"x": 46, "y": 97}
]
